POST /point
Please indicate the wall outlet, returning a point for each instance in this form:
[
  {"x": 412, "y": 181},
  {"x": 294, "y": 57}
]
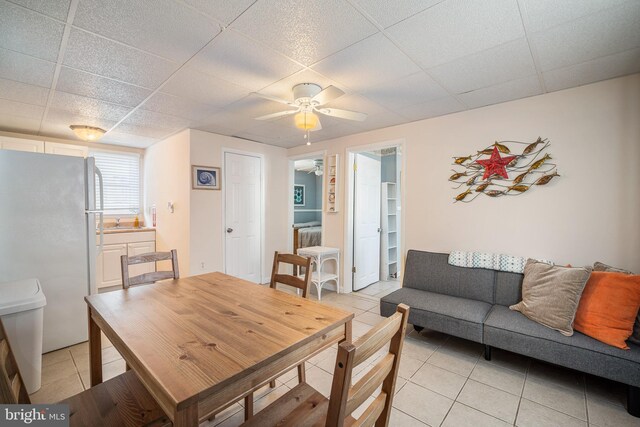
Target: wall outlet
[{"x": 202, "y": 265}]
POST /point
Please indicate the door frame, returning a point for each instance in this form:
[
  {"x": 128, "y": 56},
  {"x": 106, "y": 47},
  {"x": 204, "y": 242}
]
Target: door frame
[
  {"x": 264, "y": 278},
  {"x": 347, "y": 256},
  {"x": 291, "y": 182}
]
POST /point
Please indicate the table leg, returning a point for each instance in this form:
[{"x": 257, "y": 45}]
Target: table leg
[
  {"x": 95, "y": 352},
  {"x": 187, "y": 417}
]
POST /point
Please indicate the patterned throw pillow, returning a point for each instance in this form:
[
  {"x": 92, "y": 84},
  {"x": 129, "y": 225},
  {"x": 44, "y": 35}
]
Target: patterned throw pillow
[
  {"x": 551, "y": 294},
  {"x": 600, "y": 266}
]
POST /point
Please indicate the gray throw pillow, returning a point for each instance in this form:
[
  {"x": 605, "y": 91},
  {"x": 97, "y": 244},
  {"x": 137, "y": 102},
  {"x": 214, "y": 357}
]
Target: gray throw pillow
[
  {"x": 600, "y": 266},
  {"x": 551, "y": 294}
]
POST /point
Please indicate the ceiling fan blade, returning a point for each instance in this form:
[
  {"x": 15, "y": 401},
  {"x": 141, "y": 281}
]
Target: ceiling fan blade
[
  {"x": 343, "y": 114},
  {"x": 329, "y": 93},
  {"x": 275, "y": 99},
  {"x": 276, "y": 115}
]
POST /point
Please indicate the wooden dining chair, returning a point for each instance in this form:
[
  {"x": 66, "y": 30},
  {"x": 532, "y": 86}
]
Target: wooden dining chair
[
  {"x": 153, "y": 276},
  {"x": 297, "y": 282},
  {"x": 305, "y": 406},
  {"x": 121, "y": 401}
]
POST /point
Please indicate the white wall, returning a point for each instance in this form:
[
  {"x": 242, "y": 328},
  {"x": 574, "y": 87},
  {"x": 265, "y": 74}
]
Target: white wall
[
  {"x": 206, "y": 218},
  {"x": 590, "y": 213},
  {"x": 167, "y": 178}
]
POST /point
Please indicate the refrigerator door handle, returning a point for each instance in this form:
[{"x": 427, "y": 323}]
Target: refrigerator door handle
[{"x": 101, "y": 211}]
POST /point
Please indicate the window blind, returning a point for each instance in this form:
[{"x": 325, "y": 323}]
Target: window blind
[{"x": 121, "y": 176}]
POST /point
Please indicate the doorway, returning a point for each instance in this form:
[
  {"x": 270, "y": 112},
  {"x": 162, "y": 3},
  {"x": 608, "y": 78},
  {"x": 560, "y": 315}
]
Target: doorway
[
  {"x": 243, "y": 216},
  {"x": 307, "y": 176},
  {"x": 375, "y": 219}
]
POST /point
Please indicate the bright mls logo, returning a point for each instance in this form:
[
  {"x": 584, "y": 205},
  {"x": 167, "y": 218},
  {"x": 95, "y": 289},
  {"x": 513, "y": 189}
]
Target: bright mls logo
[{"x": 34, "y": 415}]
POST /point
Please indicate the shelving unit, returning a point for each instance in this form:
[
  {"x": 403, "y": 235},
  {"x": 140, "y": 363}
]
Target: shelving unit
[
  {"x": 389, "y": 234},
  {"x": 331, "y": 196}
]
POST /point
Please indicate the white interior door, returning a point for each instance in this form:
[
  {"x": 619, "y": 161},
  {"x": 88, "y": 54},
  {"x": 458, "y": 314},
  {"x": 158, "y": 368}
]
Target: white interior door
[
  {"x": 243, "y": 193},
  {"x": 366, "y": 221}
]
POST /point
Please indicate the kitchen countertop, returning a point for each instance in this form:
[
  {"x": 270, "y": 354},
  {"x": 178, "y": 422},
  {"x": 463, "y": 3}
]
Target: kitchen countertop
[{"x": 114, "y": 230}]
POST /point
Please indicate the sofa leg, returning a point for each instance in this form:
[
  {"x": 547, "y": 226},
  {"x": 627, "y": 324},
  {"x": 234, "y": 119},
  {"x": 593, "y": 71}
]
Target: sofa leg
[
  {"x": 418, "y": 328},
  {"x": 633, "y": 401},
  {"x": 487, "y": 352}
]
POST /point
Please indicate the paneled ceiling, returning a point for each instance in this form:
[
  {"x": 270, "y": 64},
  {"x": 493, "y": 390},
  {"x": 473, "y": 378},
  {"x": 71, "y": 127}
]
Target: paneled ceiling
[{"x": 146, "y": 69}]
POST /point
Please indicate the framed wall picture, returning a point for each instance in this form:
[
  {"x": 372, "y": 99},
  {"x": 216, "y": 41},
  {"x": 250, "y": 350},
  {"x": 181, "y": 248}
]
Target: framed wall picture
[
  {"x": 205, "y": 178},
  {"x": 298, "y": 195}
]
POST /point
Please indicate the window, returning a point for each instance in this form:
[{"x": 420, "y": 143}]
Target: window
[{"x": 121, "y": 176}]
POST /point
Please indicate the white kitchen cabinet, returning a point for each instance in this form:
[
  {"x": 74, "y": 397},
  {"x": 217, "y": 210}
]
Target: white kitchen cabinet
[
  {"x": 19, "y": 144},
  {"x": 65, "y": 149},
  {"x": 108, "y": 270}
]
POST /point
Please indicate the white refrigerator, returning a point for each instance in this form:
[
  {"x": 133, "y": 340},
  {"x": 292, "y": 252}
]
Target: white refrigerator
[{"x": 48, "y": 231}]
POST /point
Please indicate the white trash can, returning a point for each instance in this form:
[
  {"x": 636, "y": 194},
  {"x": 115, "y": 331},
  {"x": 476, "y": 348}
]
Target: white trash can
[{"x": 21, "y": 310}]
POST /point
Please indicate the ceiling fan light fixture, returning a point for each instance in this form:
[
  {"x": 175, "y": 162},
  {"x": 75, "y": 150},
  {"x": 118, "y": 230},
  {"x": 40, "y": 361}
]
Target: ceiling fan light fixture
[
  {"x": 87, "y": 133},
  {"x": 306, "y": 120}
]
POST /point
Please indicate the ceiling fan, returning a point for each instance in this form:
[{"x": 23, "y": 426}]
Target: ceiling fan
[{"x": 308, "y": 100}]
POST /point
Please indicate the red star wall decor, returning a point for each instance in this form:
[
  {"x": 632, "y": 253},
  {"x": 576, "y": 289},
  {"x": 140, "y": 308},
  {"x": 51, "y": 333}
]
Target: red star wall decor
[
  {"x": 490, "y": 176},
  {"x": 495, "y": 165}
]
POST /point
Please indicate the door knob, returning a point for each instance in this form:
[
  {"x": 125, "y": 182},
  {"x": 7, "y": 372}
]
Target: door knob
[
  {"x": 379, "y": 229},
  {"x": 229, "y": 230}
]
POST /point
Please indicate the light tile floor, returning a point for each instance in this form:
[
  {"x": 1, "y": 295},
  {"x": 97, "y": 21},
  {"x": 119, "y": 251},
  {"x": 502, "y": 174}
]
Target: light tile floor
[{"x": 443, "y": 381}]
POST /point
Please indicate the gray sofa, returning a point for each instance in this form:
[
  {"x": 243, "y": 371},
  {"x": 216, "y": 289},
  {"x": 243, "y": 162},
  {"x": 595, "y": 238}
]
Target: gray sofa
[{"x": 473, "y": 304}]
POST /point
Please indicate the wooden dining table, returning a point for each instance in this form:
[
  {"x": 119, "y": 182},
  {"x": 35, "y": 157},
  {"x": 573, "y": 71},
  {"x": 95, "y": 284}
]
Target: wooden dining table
[{"x": 203, "y": 342}]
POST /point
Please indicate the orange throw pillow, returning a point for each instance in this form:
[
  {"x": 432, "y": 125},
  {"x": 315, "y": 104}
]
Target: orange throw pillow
[{"x": 608, "y": 307}]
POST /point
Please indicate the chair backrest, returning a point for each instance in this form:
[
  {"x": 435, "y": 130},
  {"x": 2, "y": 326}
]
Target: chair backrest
[
  {"x": 288, "y": 279},
  {"x": 346, "y": 398},
  {"x": 153, "y": 276},
  {"x": 12, "y": 388}
]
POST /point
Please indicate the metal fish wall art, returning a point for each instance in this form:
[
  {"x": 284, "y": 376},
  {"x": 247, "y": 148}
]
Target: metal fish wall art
[{"x": 507, "y": 168}]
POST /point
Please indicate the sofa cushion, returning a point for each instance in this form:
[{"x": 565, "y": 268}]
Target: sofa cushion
[
  {"x": 550, "y": 294},
  {"x": 455, "y": 316},
  {"x": 431, "y": 272},
  {"x": 510, "y": 330},
  {"x": 508, "y": 288}
]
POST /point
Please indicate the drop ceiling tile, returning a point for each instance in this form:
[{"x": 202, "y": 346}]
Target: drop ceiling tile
[
  {"x": 151, "y": 119},
  {"x": 93, "y": 86},
  {"x": 380, "y": 121},
  {"x": 163, "y": 27},
  {"x": 225, "y": 121},
  {"x": 107, "y": 58},
  {"x": 367, "y": 63},
  {"x": 457, "y": 28},
  {"x": 62, "y": 119},
  {"x": 88, "y": 107},
  {"x": 607, "y": 67},
  {"x": 26, "y": 69},
  {"x": 499, "y": 64},
  {"x": 545, "y": 14},
  {"x": 414, "y": 89},
  {"x": 56, "y": 9},
  {"x": 29, "y": 94},
  {"x": 387, "y": 13},
  {"x": 224, "y": 11},
  {"x": 203, "y": 88},
  {"x": 149, "y": 132},
  {"x": 515, "y": 89},
  {"x": 438, "y": 107},
  {"x": 178, "y": 107},
  {"x": 239, "y": 60},
  {"x": 29, "y": 32},
  {"x": 303, "y": 30},
  {"x": 128, "y": 140},
  {"x": 12, "y": 123},
  {"x": 20, "y": 109},
  {"x": 611, "y": 31}
]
